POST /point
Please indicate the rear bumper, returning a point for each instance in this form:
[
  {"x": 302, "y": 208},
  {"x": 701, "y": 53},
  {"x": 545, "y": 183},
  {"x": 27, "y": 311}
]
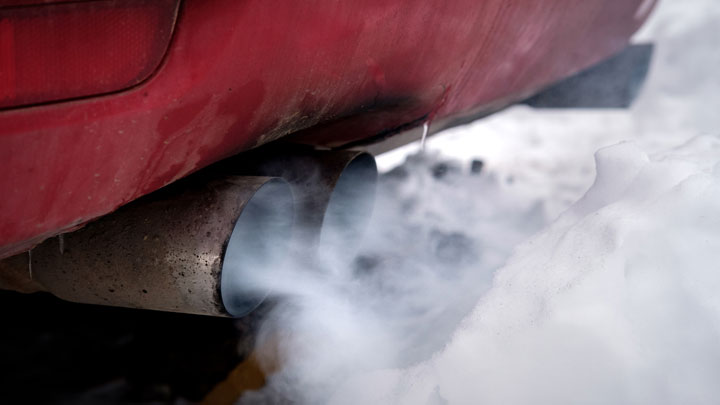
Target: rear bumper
[{"x": 243, "y": 73}]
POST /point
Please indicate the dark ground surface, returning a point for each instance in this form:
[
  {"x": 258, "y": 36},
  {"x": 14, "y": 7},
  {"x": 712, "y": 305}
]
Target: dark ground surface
[{"x": 54, "y": 351}]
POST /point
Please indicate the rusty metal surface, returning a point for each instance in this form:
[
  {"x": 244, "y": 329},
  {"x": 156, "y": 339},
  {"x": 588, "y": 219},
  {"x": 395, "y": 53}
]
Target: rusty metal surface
[{"x": 163, "y": 252}]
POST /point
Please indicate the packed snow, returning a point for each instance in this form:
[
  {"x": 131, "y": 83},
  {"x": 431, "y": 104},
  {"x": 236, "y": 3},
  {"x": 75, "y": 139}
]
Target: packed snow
[{"x": 577, "y": 264}]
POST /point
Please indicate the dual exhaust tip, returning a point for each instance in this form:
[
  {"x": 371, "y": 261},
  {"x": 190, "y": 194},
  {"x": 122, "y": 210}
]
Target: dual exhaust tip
[{"x": 192, "y": 246}]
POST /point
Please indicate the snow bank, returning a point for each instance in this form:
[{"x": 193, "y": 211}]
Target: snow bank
[{"x": 615, "y": 303}]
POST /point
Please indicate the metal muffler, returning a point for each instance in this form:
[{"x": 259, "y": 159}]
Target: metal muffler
[{"x": 182, "y": 249}]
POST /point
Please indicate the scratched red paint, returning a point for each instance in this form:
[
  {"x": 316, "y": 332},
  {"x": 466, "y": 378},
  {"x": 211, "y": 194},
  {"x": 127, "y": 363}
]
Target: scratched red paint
[{"x": 241, "y": 73}]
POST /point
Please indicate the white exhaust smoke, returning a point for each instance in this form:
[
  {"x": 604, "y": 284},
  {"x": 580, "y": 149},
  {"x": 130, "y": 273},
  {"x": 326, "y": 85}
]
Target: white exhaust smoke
[
  {"x": 615, "y": 302},
  {"x": 468, "y": 290},
  {"x": 426, "y": 260}
]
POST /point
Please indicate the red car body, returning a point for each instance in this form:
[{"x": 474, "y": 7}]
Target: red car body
[{"x": 102, "y": 102}]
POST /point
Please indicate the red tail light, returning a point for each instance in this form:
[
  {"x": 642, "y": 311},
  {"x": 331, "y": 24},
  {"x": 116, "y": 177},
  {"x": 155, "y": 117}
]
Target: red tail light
[{"x": 65, "y": 50}]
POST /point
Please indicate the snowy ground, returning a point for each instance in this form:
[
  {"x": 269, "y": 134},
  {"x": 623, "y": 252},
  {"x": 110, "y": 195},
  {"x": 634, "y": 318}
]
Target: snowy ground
[{"x": 579, "y": 266}]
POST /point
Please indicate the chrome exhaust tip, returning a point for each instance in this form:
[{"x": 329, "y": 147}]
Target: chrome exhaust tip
[
  {"x": 349, "y": 207},
  {"x": 258, "y": 243},
  {"x": 334, "y": 194}
]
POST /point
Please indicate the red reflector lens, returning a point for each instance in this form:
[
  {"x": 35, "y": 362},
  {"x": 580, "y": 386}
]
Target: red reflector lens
[{"x": 66, "y": 50}]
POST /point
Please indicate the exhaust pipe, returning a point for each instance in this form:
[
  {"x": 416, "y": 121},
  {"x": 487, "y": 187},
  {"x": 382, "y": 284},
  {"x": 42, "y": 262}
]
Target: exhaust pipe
[
  {"x": 182, "y": 249},
  {"x": 191, "y": 246},
  {"x": 334, "y": 194}
]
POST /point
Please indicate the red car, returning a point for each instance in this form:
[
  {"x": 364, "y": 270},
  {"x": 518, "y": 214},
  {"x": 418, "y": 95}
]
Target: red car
[{"x": 105, "y": 101}]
